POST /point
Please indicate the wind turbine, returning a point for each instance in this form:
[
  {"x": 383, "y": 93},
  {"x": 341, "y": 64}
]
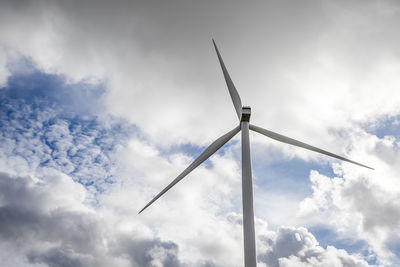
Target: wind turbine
[{"x": 243, "y": 113}]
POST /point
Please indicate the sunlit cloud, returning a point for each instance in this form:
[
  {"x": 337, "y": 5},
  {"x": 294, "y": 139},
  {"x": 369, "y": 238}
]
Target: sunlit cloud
[{"x": 103, "y": 104}]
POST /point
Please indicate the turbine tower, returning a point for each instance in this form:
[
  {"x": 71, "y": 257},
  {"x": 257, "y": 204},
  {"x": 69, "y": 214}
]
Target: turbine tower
[{"x": 243, "y": 114}]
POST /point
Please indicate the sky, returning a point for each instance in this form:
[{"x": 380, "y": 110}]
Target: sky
[{"x": 104, "y": 103}]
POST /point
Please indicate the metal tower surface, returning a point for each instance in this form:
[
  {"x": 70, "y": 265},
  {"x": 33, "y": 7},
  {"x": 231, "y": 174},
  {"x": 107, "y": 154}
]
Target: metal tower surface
[{"x": 243, "y": 113}]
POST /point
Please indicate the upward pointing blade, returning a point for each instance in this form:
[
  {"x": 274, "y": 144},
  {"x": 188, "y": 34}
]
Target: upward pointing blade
[
  {"x": 231, "y": 87},
  {"x": 217, "y": 144},
  {"x": 294, "y": 142}
]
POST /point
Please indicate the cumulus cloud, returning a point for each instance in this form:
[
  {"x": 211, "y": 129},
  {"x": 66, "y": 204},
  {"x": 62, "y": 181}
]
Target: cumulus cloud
[
  {"x": 361, "y": 204},
  {"x": 48, "y": 223},
  {"x": 291, "y": 246},
  {"x": 39, "y": 225},
  {"x": 309, "y": 70}
]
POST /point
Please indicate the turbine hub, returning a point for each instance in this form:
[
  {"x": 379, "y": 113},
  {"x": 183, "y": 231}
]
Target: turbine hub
[{"x": 246, "y": 112}]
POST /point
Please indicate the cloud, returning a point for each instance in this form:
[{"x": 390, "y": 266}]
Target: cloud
[
  {"x": 360, "y": 204},
  {"x": 43, "y": 131},
  {"x": 37, "y": 224},
  {"x": 110, "y": 169},
  {"x": 161, "y": 73},
  {"x": 313, "y": 71},
  {"x": 297, "y": 247},
  {"x": 48, "y": 223},
  {"x": 77, "y": 160},
  {"x": 48, "y": 220}
]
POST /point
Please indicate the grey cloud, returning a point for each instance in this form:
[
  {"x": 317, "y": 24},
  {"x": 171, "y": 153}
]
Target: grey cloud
[
  {"x": 379, "y": 209},
  {"x": 298, "y": 247},
  {"x": 72, "y": 238},
  {"x": 54, "y": 258},
  {"x": 26, "y": 223},
  {"x": 144, "y": 252},
  {"x": 151, "y": 52}
]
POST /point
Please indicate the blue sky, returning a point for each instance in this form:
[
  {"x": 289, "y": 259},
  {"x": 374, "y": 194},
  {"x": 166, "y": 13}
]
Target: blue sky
[
  {"x": 102, "y": 106},
  {"x": 51, "y": 124}
]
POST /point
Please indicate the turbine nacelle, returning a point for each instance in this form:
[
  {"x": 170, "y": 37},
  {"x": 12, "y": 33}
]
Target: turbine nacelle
[{"x": 246, "y": 112}]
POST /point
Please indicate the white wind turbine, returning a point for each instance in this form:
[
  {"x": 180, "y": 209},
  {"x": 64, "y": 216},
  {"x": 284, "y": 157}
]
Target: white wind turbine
[{"x": 243, "y": 113}]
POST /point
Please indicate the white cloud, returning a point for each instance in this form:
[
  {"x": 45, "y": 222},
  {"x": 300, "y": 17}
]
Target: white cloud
[
  {"x": 362, "y": 205},
  {"x": 309, "y": 71},
  {"x": 45, "y": 227},
  {"x": 291, "y": 247},
  {"x": 163, "y": 76}
]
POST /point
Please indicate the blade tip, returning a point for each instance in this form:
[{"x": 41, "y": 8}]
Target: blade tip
[
  {"x": 367, "y": 167},
  {"x": 215, "y": 45}
]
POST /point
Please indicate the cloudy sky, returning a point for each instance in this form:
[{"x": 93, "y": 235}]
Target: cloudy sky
[{"x": 103, "y": 103}]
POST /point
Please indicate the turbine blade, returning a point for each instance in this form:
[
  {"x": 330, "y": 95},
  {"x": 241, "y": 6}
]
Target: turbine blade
[
  {"x": 294, "y": 142},
  {"x": 237, "y": 103},
  {"x": 211, "y": 149}
]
